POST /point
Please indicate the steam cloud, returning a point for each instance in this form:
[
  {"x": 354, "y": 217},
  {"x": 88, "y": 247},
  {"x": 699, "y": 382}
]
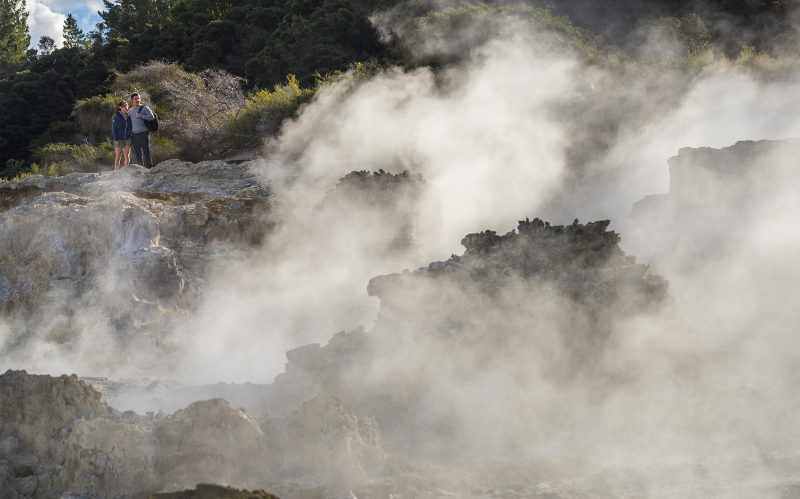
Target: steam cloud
[{"x": 491, "y": 135}]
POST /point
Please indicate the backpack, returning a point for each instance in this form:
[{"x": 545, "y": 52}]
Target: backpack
[{"x": 151, "y": 125}]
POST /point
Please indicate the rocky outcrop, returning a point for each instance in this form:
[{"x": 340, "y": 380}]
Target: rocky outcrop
[
  {"x": 35, "y": 411},
  {"x": 57, "y": 431},
  {"x": 324, "y": 438},
  {"x": 211, "y": 491},
  {"x": 583, "y": 262},
  {"x": 393, "y": 209},
  {"x": 714, "y": 194},
  {"x": 126, "y": 252},
  {"x": 541, "y": 303}
]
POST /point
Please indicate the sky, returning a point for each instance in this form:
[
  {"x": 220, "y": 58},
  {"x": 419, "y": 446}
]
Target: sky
[{"x": 46, "y": 17}]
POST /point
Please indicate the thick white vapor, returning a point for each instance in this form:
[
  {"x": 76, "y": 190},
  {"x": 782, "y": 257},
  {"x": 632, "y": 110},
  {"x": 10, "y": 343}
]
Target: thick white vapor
[{"x": 480, "y": 134}]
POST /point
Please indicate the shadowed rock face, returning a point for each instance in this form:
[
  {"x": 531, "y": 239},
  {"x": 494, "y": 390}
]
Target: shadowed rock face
[
  {"x": 583, "y": 262},
  {"x": 715, "y": 197},
  {"x": 210, "y": 491},
  {"x": 126, "y": 252},
  {"x": 388, "y": 207},
  {"x": 542, "y": 303}
]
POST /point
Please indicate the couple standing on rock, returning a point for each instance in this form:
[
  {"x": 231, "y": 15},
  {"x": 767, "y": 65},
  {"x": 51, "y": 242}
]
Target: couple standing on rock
[{"x": 128, "y": 129}]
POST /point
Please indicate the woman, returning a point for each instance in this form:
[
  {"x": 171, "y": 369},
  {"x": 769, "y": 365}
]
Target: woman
[{"x": 122, "y": 131}]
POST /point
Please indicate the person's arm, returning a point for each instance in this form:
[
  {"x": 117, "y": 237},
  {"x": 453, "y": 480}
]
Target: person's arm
[
  {"x": 114, "y": 129},
  {"x": 145, "y": 113}
]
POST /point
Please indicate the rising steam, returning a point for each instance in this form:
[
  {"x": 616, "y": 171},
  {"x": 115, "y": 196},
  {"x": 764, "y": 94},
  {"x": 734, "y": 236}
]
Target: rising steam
[{"x": 513, "y": 131}]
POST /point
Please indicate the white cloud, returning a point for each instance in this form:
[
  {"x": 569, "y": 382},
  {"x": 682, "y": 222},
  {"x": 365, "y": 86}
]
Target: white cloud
[
  {"x": 47, "y": 18},
  {"x": 42, "y": 21},
  {"x": 72, "y": 6}
]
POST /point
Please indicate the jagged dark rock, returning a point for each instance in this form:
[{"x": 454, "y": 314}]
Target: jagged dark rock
[
  {"x": 581, "y": 261},
  {"x": 495, "y": 308},
  {"x": 211, "y": 491},
  {"x": 392, "y": 208}
]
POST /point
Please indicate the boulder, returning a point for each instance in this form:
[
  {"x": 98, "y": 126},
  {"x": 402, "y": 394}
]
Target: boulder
[
  {"x": 57, "y": 437},
  {"x": 325, "y": 439},
  {"x": 37, "y": 411}
]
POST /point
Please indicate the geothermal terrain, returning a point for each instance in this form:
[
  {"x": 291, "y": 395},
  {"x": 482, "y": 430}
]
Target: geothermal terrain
[
  {"x": 497, "y": 271},
  {"x": 538, "y": 362}
]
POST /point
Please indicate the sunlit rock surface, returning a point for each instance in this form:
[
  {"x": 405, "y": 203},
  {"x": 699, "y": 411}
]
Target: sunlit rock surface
[
  {"x": 126, "y": 252},
  {"x": 119, "y": 260}
]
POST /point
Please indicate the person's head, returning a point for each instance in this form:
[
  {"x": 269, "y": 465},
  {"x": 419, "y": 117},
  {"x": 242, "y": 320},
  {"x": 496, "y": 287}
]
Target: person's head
[
  {"x": 122, "y": 106},
  {"x": 135, "y": 99}
]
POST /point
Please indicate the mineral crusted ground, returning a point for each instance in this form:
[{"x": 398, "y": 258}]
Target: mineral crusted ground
[
  {"x": 126, "y": 252},
  {"x": 543, "y": 363}
]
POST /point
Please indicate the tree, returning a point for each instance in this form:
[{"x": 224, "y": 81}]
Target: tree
[
  {"x": 30, "y": 102},
  {"x": 124, "y": 17},
  {"x": 203, "y": 103},
  {"x": 46, "y": 45},
  {"x": 73, "y": 35},
  {"x": 13, "y": 168},
  {"x": 14, "y": 36}
]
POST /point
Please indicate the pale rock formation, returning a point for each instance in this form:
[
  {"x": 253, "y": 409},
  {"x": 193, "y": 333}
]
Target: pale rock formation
[
  {"x": 126, "y": 252},
  {"x": 35, "y": 411},
  {"x": 209, "y": 441},
  {"x": 59, "y": 438},
  {"x": 325, "y": 438}
]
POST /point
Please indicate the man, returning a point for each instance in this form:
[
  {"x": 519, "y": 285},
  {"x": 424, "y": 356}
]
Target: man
[{"x": 141, "y": 137}]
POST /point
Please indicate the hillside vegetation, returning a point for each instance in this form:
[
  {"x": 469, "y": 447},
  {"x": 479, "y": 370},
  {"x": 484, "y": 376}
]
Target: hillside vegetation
[{"x": 223, "y": 74}]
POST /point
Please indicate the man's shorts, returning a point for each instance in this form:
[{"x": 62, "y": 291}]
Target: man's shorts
[{"x": 123, "y": 143}]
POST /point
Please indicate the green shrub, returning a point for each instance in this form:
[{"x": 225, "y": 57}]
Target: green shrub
[
  {"x": 15, "y": 168},
  {"x": 60, "y": 159},
  {"x": 264, "y": 112},
  {"x": 162, "y": 149},
  {"x": 94, "y": 115},
  {"x": 105, "y": 151}
]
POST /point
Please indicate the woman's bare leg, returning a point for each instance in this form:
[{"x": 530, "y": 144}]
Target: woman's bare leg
[
  {"x": 127, "y": 150},
  {"x": 118, "y": 152}
]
